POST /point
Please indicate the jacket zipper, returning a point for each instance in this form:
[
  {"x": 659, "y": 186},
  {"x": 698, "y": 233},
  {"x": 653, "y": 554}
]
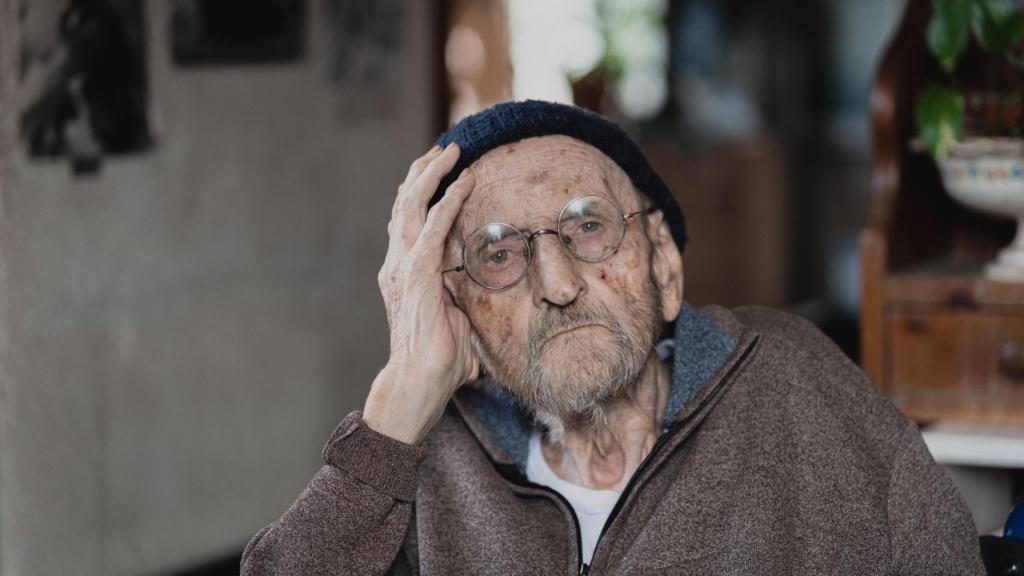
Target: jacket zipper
[
  {"x": 663, "y": 439},
  {"x": 513, "y": 476}
]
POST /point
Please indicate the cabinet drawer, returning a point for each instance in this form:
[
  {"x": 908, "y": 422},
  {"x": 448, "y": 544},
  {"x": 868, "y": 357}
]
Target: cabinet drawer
[{"x": 954, "y": 365}]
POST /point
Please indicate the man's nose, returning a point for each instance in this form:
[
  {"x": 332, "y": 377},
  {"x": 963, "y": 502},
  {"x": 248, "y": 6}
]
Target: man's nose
[{"x": 556, "y": 276}]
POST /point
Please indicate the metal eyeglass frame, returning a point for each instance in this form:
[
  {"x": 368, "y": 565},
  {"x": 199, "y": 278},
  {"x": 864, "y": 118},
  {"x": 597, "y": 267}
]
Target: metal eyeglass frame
[{"x": 528, "y": 239}]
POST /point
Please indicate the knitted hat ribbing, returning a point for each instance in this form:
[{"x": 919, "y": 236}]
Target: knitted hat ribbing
[{"x": 513, "y": 121}]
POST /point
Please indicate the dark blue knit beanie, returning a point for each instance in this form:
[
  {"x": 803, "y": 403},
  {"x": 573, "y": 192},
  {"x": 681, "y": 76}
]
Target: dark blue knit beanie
[{"x": 513, "y": 121}]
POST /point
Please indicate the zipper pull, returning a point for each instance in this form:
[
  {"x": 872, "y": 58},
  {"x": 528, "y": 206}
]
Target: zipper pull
[{"x": 584, "y": 570}]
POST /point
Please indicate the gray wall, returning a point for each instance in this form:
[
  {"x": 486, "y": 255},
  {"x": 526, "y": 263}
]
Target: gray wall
[{"x": 181, "y": 333}]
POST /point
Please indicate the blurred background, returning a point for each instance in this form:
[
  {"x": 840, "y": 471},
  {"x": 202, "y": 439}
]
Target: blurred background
[{"x": 194, "y": 196}]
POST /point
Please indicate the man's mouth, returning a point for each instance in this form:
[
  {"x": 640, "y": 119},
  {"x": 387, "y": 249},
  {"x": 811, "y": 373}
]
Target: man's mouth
[{"x": 571, "y": 330}]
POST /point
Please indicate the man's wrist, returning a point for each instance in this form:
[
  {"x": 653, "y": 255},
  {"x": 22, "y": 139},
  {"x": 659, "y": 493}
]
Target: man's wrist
[{"x": 400, "y": 408}]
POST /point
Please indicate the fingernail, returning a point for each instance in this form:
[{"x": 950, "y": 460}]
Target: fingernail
[{"x": 436, "y": 148}]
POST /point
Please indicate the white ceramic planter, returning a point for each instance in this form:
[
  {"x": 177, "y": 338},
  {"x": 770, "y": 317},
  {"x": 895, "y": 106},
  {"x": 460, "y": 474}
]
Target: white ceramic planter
[{"x": 987, "y": 174}]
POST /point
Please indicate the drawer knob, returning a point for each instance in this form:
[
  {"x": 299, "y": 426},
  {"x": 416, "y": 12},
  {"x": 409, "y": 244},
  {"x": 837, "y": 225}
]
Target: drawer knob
[{"x": 1011, "y": 360}]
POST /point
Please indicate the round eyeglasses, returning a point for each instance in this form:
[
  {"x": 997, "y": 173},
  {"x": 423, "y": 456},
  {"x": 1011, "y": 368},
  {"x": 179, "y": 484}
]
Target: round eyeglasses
[{"x": 497, "y": 255}]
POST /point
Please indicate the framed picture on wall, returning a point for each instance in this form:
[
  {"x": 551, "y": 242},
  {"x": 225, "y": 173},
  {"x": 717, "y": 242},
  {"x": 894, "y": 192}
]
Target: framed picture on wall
[
  {"x": 237, "y": 31},
  {"x": 82, "y": 78}
]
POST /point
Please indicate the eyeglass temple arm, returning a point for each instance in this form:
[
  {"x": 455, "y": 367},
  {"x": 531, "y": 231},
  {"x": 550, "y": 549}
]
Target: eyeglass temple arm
[{"x": 650, "y": 210}]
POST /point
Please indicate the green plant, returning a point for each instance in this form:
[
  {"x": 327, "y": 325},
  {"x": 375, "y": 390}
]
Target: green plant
[{"x": 997, "y": 26}]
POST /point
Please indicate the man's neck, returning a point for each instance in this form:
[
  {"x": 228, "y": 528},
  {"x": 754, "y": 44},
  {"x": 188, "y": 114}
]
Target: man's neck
[{"x": 603, "y": 455}]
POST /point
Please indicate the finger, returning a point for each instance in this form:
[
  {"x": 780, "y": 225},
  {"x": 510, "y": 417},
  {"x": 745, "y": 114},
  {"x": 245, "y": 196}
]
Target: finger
[
  {"x": 417, "y": 165},
  {"x": 429, "y": 247},
  {"x": 442, "y": 216},
  {"x": 426, "y": 184},
  {"x": 415, "y": 169},
  {"x": 405, "y": 201},
  {"x": 411, "y": 206},
  {"x": 400, "y": 240}
]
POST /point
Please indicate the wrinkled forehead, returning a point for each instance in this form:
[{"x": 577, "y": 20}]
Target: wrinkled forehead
[{"x": 526, "y": 183}]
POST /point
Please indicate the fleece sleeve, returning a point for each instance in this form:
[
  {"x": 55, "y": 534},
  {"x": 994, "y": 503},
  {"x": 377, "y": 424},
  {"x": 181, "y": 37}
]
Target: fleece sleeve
[
  {"x": 931, "y": 529},
  {"x": 352, "y": 517}
]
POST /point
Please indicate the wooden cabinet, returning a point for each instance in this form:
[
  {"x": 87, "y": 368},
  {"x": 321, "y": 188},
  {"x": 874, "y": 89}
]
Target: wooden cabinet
[
  {"x": 939, "y": 339},
  {"x": 946, "y": 347},
  {"x": 947, "y": 364}
]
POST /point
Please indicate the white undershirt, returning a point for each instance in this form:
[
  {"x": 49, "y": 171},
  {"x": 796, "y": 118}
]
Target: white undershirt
[{"x": 592, "y": 507}]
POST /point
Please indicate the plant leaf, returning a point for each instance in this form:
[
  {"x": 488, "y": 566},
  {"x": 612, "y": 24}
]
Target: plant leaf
[
  {"x": 948, "y": 30},
  {"x": 939, "y": 117},
  {"x": 997, "y": 25}
]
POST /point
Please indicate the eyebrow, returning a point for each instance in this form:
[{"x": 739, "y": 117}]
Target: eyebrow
[{"x": 586, "y": 211}]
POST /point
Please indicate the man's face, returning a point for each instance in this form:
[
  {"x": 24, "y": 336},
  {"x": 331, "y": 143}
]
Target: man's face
[{"x": 570, "y": 334}]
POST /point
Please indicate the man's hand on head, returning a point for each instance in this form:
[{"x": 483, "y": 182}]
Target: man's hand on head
[{"x": 431, "y": 348}]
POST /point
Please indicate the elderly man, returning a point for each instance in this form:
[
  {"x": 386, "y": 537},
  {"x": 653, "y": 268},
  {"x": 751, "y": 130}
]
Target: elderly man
[{"x": 531, "y": 419}]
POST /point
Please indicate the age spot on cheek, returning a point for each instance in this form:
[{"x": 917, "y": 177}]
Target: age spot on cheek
[{"x": 482, "y": 303}]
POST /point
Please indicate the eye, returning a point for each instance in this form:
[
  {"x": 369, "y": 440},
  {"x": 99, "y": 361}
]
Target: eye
[
  {"x": 499, "y": 257},
  {"x": 590, "y": 227}
]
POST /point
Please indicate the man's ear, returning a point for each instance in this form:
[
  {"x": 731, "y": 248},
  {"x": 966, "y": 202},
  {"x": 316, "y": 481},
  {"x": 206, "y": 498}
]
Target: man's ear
[{"x": 666, "y": 265}]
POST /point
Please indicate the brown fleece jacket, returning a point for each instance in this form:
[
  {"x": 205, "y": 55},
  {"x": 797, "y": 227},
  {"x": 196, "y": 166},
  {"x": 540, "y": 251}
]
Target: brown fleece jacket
[{"x": 779, "y": 457}]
